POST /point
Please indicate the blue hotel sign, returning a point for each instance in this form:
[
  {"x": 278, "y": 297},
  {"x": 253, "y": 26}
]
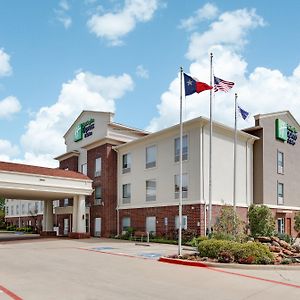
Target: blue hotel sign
[{"x": 84, "y": 130}]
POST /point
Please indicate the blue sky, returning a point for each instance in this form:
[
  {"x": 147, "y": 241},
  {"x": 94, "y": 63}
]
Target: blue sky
[{"x": 59, "y": 57}]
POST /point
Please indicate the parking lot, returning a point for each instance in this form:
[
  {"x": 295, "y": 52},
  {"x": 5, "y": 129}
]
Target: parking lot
[{"x": 113, "y": 269}]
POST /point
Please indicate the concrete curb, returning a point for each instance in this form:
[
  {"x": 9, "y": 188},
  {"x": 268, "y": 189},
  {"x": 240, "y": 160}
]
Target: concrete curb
[{"x": 202, "y": 264}]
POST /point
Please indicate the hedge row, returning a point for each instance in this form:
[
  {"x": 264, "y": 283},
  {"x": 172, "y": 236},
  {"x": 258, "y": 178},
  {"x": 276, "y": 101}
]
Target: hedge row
[{"x": 229, "y": 251}]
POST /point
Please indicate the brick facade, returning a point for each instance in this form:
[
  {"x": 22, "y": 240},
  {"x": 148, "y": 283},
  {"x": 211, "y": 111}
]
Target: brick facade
[
  {"x": 194, "y": 213},
  {"x": 108, "y": 183}
]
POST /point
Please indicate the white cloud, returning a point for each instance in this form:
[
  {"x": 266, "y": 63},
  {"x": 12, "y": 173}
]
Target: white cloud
[
  {"x": 7, "y": 150},
  {"x": 114, "y": 25},
  {"x": 230, "y": 30},
  {"x": 207, "y": 12},
  {"x": 9, "y": 106},
  {"x": 142, "y": 72},
  {"x": 5, "y": 67},
  {"x": 261, "y": 90},
  {"x": 43, "y": 138},
  {"x": 61, "y": 14}
]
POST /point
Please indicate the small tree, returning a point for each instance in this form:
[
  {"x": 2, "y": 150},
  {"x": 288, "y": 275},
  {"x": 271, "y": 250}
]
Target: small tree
[
  {"x": 228, "y": 224},
  {"x": 261, "y": 221},
  {"x": 297, "y": 222}
]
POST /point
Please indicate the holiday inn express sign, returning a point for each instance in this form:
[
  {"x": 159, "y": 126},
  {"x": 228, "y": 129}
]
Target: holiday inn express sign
[
  {"x": 285, "y": 132},
  {"x": 84, "y": 130}
]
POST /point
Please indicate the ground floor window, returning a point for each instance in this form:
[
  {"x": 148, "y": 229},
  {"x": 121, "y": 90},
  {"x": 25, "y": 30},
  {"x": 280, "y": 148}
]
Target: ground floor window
[
  {"x": 126, "y": 222},
  {"x": 280, "y": 225},
  {"x": 183, "y": 222},
  {"x": 151, "y": 225},
  {"x": 97, "y": 227}
]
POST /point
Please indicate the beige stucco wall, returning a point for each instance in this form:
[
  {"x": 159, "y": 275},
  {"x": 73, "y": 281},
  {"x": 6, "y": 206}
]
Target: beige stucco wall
[{"x": 196, "y": 166}]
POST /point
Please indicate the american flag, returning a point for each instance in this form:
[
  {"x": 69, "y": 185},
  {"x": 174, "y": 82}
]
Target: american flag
[{"x": 222, "y": 85}]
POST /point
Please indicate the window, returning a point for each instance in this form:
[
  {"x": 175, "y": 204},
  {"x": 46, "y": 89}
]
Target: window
[
  {"x": 150, "y": 157},
  {"x": 280, "y": 164},
  {"x": 150, "y": 190},
  {"x": 151, "y": 225},
  {"x": 11, "y": 210},
  {"x": 84, "y": 169},
  {"x": 23, "y": 209},
  {"x": 36, "y": 207},
  {"x": 184, "y": 148},
  {"x": 17, "y": 209},
  {"x": 98, "y": 167},
  {"x": 280, "y": 225},
  {"x": 183, "y": 222},
  {"x": 184, "y": 185},
  {"x": 66, "y": 202},
  {"x": 6, "y": 209},
  {"x": 126, "y": 163},
  {"x": 126, "y": 193},
  {"x": 280, "y": 193},
  {"x": 29, "y": 207},
  {"x": 126, "y": 223},
  {"x": 98, "y": 195}
]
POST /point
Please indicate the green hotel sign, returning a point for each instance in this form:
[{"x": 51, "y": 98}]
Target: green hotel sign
[
  {"x": 84, "y": 130},
  {"x": 285, "y": 132}
]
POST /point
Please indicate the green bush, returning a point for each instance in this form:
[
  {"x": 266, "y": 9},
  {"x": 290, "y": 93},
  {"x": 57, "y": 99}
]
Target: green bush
[
  {"x": 11, "y": 228},
  {"x": 297, "y": 222},
  {"x": 251, "y": 252},
  {"x": 197, "y": 240},
  {"x": 261, "y": 221},
  {"x": 285, "y": 237},
  {"x": 222, "y": 236},
  {"x": 212, "y": 248}
]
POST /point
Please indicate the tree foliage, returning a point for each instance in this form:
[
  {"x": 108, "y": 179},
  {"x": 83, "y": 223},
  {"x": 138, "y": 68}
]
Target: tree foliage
[
  {"x": 228, "y": 224},
  {"x": 261, "y": 221},
  {"x": 297, "y": 222},
  {"x": 2, "y": 203}
]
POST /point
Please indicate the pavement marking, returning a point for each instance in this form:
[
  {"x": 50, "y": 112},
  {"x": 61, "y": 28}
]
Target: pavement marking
[
  {"x": 9, "y": 293},
  {"x": 203, "y": 265}
]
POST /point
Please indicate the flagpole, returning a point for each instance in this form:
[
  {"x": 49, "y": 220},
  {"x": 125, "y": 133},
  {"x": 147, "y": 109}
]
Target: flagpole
[
  {"x": 180, "y": 171},
  {"x": 234, "y": 160},
  {"x": 210, "y": 151}
]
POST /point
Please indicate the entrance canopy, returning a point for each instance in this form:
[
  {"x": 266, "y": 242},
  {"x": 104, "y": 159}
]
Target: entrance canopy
[{"x": 19, "y": 181}]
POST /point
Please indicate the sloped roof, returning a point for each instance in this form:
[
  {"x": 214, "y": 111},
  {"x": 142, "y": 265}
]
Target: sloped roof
[{"x": 42, "y": 171}]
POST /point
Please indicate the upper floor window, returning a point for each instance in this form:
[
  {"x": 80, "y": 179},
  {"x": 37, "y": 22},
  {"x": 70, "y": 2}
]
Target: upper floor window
[
  {"x": 126, "y": 163},
  {"x": 280, "y": 162},
  {"x": 126, "y": 193},
  {"x": 184, "y": 185},
  {"x": 17, "y": 209},
  {"x": 12, "y": 210},
  {"x": 151, "y": 190},
  {"x": 280, "y": 193},
  {"x": 84, "y": 169},
  {"x": 98, "y": 195},
  {"x": 98, "y": 167},
  {"x": 184, "y": 148},
  {"x": 6, "y": 209},
  {"x": 23, "y": 208},
  {"x": 150, "y": 157}
]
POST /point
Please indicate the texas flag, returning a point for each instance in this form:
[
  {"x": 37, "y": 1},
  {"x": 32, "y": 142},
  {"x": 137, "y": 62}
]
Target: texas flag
[{"x": 192, "y": 85}]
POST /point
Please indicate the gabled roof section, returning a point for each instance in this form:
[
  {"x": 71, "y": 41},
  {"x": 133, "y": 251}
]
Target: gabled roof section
[
  {"x": 131, "y": 129},
  {"x": 277, "y": 114},
  {"x": 199, "y": 120},
  {"x": 42, "y": 171},
  {"x": 88, "y": 111}
]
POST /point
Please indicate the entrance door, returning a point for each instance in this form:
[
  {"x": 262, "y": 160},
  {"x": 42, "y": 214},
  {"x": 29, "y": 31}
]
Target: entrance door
[
  {"x": 98, "y": 227},
  {"x": 66, "y": 226}
]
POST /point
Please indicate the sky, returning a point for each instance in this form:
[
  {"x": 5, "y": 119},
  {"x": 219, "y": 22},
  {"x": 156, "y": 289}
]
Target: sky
[{"x": 59, "y": 57}]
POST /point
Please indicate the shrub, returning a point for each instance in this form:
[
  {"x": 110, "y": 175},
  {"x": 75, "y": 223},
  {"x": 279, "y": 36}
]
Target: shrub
[
  {"x": 225, "y": 257},
  {"x": 250, "y": 253},
  {"x": 228, "y": 225},
  {"x": 297, "y": 222},
  {"x": 212, "y": 248},
  {"x": 261, "y": 221},
  {"x": 197, "y": 240},
  {"x": 257, "y": 253},
  {"x": 285, "y": 237}
]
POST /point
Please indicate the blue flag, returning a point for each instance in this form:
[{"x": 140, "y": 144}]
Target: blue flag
[{"x": 244, "y": 114}]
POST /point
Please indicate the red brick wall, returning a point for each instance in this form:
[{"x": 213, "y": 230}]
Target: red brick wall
[
  {"x": 60, "y": 222},
  {"x": 194, "y": 213},
  {"x": 108, "y": 182},
  {"x": 286, "y": 214}
]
